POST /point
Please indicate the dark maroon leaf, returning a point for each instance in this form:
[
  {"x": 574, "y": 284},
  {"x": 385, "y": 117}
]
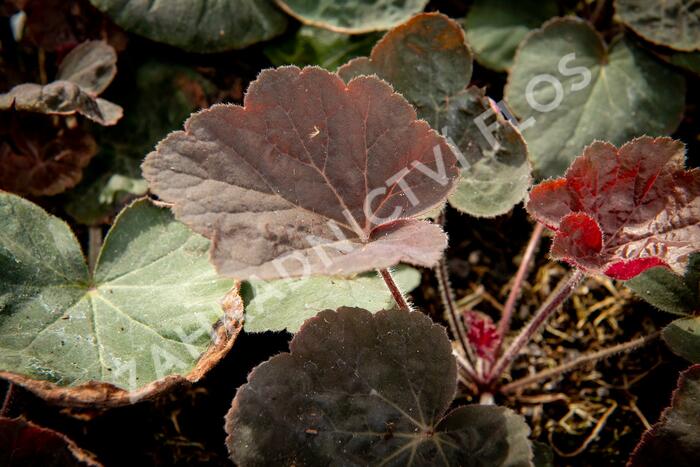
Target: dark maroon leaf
[
  {"x": 363, "y": 389},
  {"x": 24, "y": 444},
  {"x": 675, "y": 439},
  {"x": 40, "y": 159},
  {"x": 84, "y": 73},
  {"x": 311, "y": 176},
  {"x": 622, "y": 211}
]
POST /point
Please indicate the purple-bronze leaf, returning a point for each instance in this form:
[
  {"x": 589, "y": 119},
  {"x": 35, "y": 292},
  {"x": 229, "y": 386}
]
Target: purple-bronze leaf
[
  {"x": 310, "y": 176},
  {"x": 622, "y": 211}
]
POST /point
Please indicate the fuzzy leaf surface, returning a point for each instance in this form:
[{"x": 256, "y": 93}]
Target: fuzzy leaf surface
[
  {"x": 146, "y": 313},
  {"x": 363, "y": 389},
  {"x": 674, "y": 440},
  {"x": 23, "y": 443},
  {"x": 671, "y": 23},
  {"x": 622, "y": 211},
  {"x": 352, "y": 16},
  {"x": 495, "y": 28},
  {"x": 670, "y": 292},
  {"x": 308, "y": 177},
  {"x": 203, "y": 26},
  {"x": 593, "y": 92},
  {"x": 286, "y": 303},
  {"x": 428, "y": 61}
]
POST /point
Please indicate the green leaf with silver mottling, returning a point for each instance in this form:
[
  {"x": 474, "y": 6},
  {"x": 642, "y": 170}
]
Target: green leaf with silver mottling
[
  {"x": 495, "y": 28},
  {"x": 429, "y": 62},
  {"x": 287, "y": 303},
  {"x": 671, "y": 23},
  {"x": 203, "y": 26},
  {"x": 352, "y": 16},
  {"x": 144, "y": 314},
  {"x": 568, "y": 89}
]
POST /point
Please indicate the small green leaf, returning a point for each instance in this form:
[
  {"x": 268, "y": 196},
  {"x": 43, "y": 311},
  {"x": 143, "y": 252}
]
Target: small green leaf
[
  {"x": 352, "y": 16},
  {"x": 671, "y": 23},
  {"x": 316, "y": 46},
  {"x": 495, "y": 27},
  {"x": 204, "y": 26},
  {"x": 683, "y": 337},
  {"x": 568, "y": 89},
  {"x": 368, "y": 389},
  {"x": 287, "y": 303},
  {"x": 668, "y": 291},
  {"x": 145, "y": 314}
]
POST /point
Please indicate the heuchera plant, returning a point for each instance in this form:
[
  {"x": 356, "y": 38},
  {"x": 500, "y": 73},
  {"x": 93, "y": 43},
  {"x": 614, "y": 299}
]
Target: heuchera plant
[{"x": 307, "y": 198}]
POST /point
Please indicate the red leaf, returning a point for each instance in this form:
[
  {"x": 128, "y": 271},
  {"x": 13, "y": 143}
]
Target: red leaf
[
  {"x": 622, "y": 211},
  {"x": 22, "y": 443},
  {"x": 483, "y": 334},
  {"x": 40, "y": 159},
  {"x": 311, "y": 176}
]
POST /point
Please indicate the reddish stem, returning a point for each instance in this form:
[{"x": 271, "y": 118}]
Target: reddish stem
[
  {"x": 7, "y": 400},
  {"x": 394, "y": 289},
  {"x": 562, "y": 293},
  {"x": 509, "y": 307}
]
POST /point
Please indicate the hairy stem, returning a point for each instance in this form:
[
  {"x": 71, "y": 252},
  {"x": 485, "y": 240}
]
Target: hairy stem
[
  {"x": 582, "y": 360},
  {"x": 94, "y": 245},
  {"x": 509, "y": 307},
  {"x": 399, "y": 297},
  {"x": 468, "y": 368},
  {"x": 7, "y": 400},
  {"x": 543, "y": 313},
  {"x": 457, "y": 325}
]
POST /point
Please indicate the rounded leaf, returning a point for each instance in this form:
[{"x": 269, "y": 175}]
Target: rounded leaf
[
  {"x": 568, "y": 89},
  {"x": 352, "y": 16},
  {"x": 204, "y": 26},
  {"x": 495, "y": 28},
  {"x": 149, "y": 318},
  {"x": 310, "y": 177},
  {"x": 671, "y": 23},
  {"x": 367, "y": 389}
]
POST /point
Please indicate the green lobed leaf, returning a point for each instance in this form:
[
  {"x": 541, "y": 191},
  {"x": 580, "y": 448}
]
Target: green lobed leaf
[
  {"x": 203, "y": 26},
  {"x": 674, "y": 439},
  {"x": 286, "y": 303},
  {"x": 146, "y": 313},
  {"x": 668, "y": 291},
  {"x": 683, "y": 338},
  {"x": 316, "y": 46},
  {"x": 629, "y": 93},
  {"x": 495, "y": 28},
  {"x": 368, "y": 389},
  {"x": 428, "y": 61},
  {"x": 352, "y": 16},
  {"x": 671, "y": 23}
]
